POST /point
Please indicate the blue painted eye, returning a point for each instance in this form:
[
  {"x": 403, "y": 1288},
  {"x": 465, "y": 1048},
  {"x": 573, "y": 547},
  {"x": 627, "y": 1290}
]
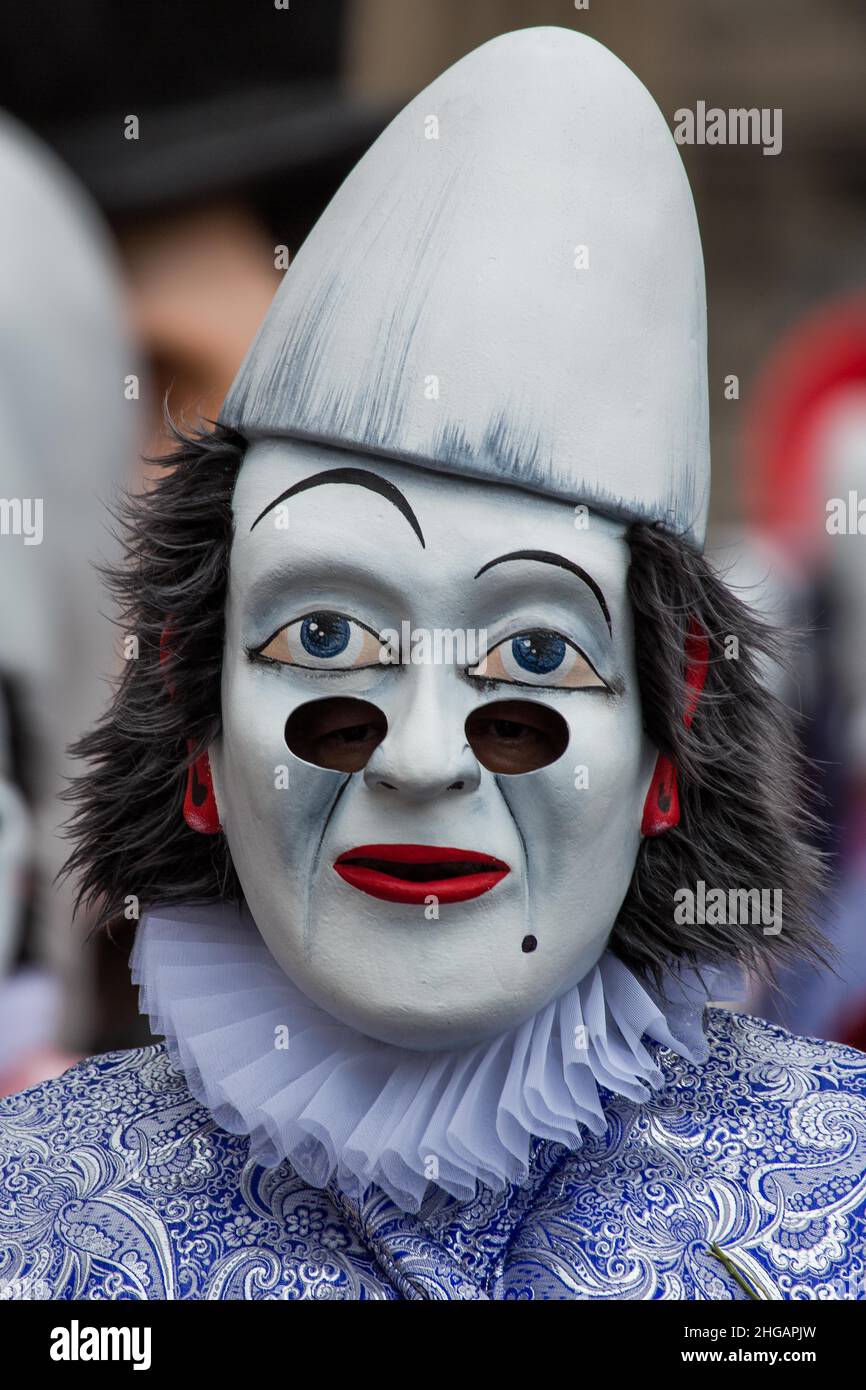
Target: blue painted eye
[
  {"x": 539, "y": 657},
  {"x": 325, "y": 634},
  {"x": 539, "y": 653},
  {"x": 325, "y": 642}
]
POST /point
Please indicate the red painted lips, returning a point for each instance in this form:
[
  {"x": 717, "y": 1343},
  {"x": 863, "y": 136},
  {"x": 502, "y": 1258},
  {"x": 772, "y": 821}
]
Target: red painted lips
[{"x": 411, "y": 873}]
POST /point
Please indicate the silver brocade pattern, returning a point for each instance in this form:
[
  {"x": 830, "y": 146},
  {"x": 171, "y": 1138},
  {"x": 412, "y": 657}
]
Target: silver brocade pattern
[{"x": 115, "y": 1183}]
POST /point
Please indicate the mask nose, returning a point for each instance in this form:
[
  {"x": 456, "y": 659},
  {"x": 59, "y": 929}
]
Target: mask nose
[{"x": 425, "y": 753}]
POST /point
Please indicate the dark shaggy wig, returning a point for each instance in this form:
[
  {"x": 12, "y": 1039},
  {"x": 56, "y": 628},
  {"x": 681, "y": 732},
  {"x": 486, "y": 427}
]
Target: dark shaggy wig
[
  {"x": 740, "y": 778},
  {"x": 129, "y": 832},
  {"x": 743, "y": 781}
]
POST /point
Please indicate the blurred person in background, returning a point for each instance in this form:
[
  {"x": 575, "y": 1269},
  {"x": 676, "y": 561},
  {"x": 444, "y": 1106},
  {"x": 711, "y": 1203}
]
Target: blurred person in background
[
  {"x": 16, "y": 1006},
  {"x": 805, "y": 493},
  {"x": 68, "y": 439},
  {"x": 211, "y": 139}
]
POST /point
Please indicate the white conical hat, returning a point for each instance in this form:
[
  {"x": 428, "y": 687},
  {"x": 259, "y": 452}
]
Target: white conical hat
[{"x": 441, "y": 312}]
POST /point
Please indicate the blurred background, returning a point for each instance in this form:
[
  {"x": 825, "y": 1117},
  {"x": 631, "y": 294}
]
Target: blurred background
[{"x": 159, "y": 167}]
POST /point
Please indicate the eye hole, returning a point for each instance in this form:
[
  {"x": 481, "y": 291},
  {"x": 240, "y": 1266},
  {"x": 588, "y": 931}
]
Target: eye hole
[
  {"x": 538, "y": 657},
  {"x": 514, "y": 736},
  {"x": 340, "y": 734},
  {"x": 324, "y": 641}
]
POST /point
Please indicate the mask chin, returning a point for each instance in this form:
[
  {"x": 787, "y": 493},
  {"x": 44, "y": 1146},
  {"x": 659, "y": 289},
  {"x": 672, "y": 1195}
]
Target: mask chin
[
  {"x": 421, "y": 972},
  {"x": 422, "y": 978}
]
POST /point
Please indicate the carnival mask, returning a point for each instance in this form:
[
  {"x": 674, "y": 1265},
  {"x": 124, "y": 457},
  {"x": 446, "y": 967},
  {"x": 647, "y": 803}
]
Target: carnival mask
[{"x": 431, "y": 769}]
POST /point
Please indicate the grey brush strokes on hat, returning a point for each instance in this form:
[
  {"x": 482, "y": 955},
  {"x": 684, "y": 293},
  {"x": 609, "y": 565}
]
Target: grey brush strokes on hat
[{"x": 510, "y": 286}]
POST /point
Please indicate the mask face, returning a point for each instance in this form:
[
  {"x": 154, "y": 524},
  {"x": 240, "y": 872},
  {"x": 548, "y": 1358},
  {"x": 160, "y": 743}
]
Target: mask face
[{"x": 432, "y": 768}]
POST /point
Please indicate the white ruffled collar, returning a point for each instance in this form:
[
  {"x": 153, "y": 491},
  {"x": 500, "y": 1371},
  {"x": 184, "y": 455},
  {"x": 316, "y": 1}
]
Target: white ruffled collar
[{"x": 344, "y": 1107}]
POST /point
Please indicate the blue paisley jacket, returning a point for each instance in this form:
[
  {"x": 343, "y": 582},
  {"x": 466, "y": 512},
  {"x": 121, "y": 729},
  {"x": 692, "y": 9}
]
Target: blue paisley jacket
[{"x": 745, "y": 1177}]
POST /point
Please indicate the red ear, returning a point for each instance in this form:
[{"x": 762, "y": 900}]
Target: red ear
[
  {"x": 199, "y": 804},
  {"x": 661, "y": 810}
]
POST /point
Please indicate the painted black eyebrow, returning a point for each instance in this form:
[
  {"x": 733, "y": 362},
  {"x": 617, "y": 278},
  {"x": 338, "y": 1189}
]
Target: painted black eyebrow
[
  {"x": 548, "y": 557},
  {"x": 361, "y": 477}
]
